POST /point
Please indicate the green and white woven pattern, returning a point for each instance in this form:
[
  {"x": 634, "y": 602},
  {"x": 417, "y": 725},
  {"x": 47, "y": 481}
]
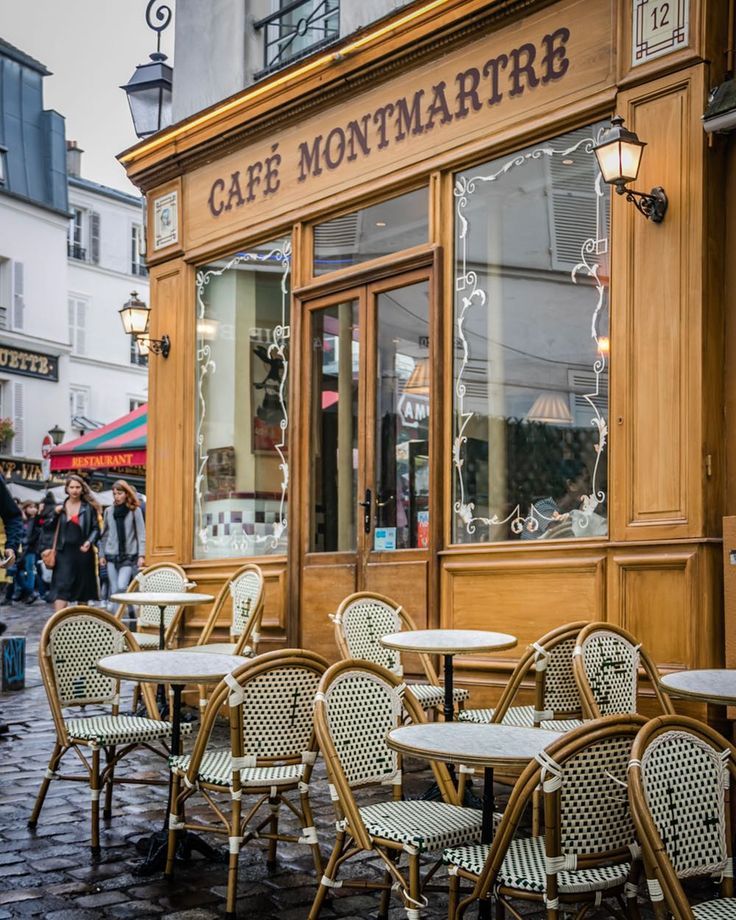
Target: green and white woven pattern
[
  {"x": 595, "y": 814},
  {"x": 364, "y": 622},
  {"x": 684, "y": 782},
  {"x": 428, "y": 826},
  {"x": 720, "y": 909},
  {"x": 523, "y": 868},
  {"x": 76, "y": 645},
  {"x": 521, "y": 716},
  {"x": 161, "y": 580},
  {"x": 277, "y": 712},
  {"x": 611, "y": 664},
  {"x": 217, "y": 768},
  {"x": 429, "y": 696},
  {"x": 106, "y": 730},
  {"x": 245, "y": 591},
  {"x": 361, "y": 710},
  {"x": 146, "y": 640}
]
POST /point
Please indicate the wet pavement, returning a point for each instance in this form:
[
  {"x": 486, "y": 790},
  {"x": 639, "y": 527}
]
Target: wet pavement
[{"x": 48, "y": 871}]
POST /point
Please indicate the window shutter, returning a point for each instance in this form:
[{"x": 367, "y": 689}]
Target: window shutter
[
  {"x": 94, "y": 236},
  {"x": 18, "y": 298},
  {"x": 81, "y": 327},
  {"x": 19, "y": 441}
]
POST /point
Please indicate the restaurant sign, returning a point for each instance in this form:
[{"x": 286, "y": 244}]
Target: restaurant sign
[
  {"x": 564, "y": 52},
  {"x": 29, "y": 363},
  {"x": 91, "y": 461}
]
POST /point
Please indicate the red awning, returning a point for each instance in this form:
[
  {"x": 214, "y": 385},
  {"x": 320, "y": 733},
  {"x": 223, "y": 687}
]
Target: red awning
[{"x": 121, "y": 443}]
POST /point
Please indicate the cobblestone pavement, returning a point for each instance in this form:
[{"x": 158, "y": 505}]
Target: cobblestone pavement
[{"x": 48, "y": 872}]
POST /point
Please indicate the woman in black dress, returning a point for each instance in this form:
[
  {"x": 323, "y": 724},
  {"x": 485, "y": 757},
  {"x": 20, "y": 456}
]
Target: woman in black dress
[{"x": 75, "y": 529}]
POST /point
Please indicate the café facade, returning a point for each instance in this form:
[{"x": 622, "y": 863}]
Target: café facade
[{"x": 418, "y": 347}]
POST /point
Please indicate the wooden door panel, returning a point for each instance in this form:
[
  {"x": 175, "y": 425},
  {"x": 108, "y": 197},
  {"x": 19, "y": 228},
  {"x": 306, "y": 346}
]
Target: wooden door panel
[
  {"x": 323, "y": 587},
  {"x": 404, "y": 582}
]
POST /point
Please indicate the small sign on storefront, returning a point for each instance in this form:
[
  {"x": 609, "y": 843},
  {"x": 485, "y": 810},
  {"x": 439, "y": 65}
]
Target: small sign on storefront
[
  {"x": 659, "y": 27},
  {"x": 384, "y": 538}
]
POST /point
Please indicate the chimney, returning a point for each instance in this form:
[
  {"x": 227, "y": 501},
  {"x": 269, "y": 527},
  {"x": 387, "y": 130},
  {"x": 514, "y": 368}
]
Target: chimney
[{"x": 74, "y": 159}]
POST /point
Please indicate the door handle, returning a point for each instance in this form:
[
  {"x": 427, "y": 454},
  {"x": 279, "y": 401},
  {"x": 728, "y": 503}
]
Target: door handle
[
  {"x": 366, "y": 506},
  {"x": 384, "y": 503}
]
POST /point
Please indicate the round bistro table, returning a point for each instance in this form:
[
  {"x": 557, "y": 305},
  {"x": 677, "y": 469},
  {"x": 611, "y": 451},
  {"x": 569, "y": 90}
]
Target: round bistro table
[
  {"x": 162, "y": 600},
  {"x": 716, "y": 685},
  {"x": 448, "y": 643},
  {"x": 177, "y": 668},
  {"x": 485, "y": 746}
]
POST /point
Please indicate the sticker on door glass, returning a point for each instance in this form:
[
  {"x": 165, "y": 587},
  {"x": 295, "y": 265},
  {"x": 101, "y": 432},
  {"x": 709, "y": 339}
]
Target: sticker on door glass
[
  {"x": 384, "y": 538},
  {"x": 422, "y": 529}
]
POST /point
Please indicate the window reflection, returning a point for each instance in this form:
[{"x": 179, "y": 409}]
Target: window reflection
[{"x": 531, "y": 350}]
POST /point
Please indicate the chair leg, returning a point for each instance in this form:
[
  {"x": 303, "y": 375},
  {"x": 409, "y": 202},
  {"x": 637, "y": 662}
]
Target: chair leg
[
  {"x": 53, "y": 766},
  {"x": 94, "y": 790},
  {"x": 308, "y": 826},
  {"x": 414, "y": 910},
  {"x": 174, "y": 810},
  {"x": 232, "y": 869},
  {"x": 328, "y": 876},
  {"x": 385, "y": 902},
  {"x": 273, "y": 827},
  {"x": 453, "y": 889},
  {"x": 110, "y": 758}
]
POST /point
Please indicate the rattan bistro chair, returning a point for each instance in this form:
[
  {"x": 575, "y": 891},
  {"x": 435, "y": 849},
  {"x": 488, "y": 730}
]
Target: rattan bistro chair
[
  {"x": 588, "y": 851},
  {"x": 606, "y": 664},
  {"x": 361, "y": 620},
  {"x": 72, "y": 642},
  {"x": 272, "y": 753},
  {"x": 556, "y": 698},
  {"x": 357, "y": 704},
  {"x": 164, "y": 576},
  {"x": 681, "y": 783}
]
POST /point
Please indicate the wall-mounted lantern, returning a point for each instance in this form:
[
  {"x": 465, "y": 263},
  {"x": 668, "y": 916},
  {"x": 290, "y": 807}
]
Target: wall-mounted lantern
[{"x": 135, "y": 316}]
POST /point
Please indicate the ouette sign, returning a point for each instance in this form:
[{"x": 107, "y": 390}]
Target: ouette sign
[{"x": 494, "y": 83}]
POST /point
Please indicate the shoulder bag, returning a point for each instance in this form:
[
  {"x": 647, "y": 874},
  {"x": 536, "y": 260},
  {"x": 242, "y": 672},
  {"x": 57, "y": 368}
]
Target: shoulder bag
[{"x": 48, "y": 556}]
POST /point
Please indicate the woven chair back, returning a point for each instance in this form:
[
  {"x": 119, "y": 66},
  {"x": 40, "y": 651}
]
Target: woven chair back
[
  {"x": 560, "y": 692},
  {"x": 361, "y": 708},
  {"x": 362, "y": 620},
  {"x": 245, "y": 590},
  {"x": 611, "y": 662},
  {"x": 277, "y": 711},
  {"x": 75, "y": 645},
  {"x": 161, "y": 578},
  {"x": 685, "y": 780}
]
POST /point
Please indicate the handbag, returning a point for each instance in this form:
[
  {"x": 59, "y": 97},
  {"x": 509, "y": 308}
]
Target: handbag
[{"x": 48, "y": 556}]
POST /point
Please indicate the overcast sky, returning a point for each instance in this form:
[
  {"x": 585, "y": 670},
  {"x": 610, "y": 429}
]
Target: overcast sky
[{"x": 91, "y": 47}]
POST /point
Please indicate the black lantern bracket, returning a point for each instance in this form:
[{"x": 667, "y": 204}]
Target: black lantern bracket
[
  {"x": 653, "y": 206},
  {"x": 160, "y": 346}
]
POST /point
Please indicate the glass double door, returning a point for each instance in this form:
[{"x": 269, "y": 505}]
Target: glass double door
[{"x": 368, "y": 498}]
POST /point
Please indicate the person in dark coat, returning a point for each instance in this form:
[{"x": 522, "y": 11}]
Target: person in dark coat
[
  {"x": 12, "y": 519},
  {"x": 74, "y": 530}
]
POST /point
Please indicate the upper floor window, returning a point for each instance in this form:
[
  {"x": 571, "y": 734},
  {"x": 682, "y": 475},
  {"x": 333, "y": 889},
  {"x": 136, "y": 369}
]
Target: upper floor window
[
  {"x": 137, "y": 265},
  {"x": 78, "y": 325},
  {"x": 135, "y": 402},
  {"x": 83, "y": 239},
  {"x": 531, "y": 345},
  {"x": 12, "y": 294},
  {"x": 297, "y": 28},
  {"x": 135, "y": 355}
]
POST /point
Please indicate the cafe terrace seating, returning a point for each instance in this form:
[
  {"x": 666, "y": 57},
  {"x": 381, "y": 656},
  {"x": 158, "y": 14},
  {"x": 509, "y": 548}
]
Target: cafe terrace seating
[
  {"x": 356, "y": 706},
  {"x": 272, "y": 753},
  {"x": 606, "y": 664},
  {"x": 72, "y": 642},
  {"x": 589, "y": 849},
  {"x": 164, "y": 576},
  {"x": 557, "y": 700},
  {"x": 362, "y": 619},
  {"x": 681, "y": 778}
]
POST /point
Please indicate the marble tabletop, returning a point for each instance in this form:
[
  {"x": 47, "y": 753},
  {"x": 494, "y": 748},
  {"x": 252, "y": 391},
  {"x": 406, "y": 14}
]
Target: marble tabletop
[
  {"x": 162, "y": 598},
  {"x": 170, "y": 666},
  {"x": 448, "y": 641},
  {"x": 716, "y": 685}
]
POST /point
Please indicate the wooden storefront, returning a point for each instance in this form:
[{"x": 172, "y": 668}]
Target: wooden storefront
[{"x": 415, "y": 104}]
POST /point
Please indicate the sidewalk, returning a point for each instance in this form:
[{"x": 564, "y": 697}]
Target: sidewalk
[{"x": 48, "y": 872}]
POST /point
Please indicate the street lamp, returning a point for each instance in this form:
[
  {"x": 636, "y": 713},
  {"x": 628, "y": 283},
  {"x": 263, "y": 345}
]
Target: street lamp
[
  {"x": 149, "y": 89},
  {"x": 57, "y": 435},
  {"x": 619, "y": 153},
  {"x": 135, "y": 316}
]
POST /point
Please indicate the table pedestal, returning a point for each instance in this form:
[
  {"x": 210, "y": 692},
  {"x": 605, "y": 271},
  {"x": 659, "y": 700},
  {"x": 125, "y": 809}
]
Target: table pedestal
[{"x": 155, "y": 847}]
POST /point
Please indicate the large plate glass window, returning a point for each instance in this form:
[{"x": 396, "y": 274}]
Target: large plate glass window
[
  {"x": 371, "y": 232},
  {"x": 531, "y": 345},
  {"x": 242, "y": 418}
]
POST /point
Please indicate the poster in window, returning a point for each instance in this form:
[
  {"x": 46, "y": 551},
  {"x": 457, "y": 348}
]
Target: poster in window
[{"x": 267, "y": 370}]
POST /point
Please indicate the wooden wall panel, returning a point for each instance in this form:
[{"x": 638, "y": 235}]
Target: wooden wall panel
[
  {"x": 322, "y": 589},
  {"x": 166, "y": 476},
  {"x": 657, "y": 315},
  {"x": 404, "y": 582},
  {"x": 526, "y": 597}
]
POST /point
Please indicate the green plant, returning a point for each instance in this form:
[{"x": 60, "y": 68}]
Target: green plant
[{"x": 7, "y": 432}]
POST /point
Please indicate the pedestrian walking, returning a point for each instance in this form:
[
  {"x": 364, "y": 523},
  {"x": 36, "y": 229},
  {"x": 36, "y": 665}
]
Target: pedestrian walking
[
  {"x": 12, "y": 527},
  {"x": 69, "y": 541},
  {"x": 123, "y": 542},
  {"x": 29, "y": 560}
]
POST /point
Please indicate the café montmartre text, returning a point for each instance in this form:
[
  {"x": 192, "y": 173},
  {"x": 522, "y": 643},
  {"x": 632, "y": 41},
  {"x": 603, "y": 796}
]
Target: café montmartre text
[{"x": 471, "y": 91}]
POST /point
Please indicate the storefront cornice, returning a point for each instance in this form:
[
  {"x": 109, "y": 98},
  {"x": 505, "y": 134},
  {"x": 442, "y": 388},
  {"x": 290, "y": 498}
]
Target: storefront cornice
[{"x": 370, "y": 55}]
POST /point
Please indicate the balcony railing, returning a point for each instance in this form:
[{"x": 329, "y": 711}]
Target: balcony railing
[
  {"x": 75, "y": 251},
  {"x": 296, "y": 30}
]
